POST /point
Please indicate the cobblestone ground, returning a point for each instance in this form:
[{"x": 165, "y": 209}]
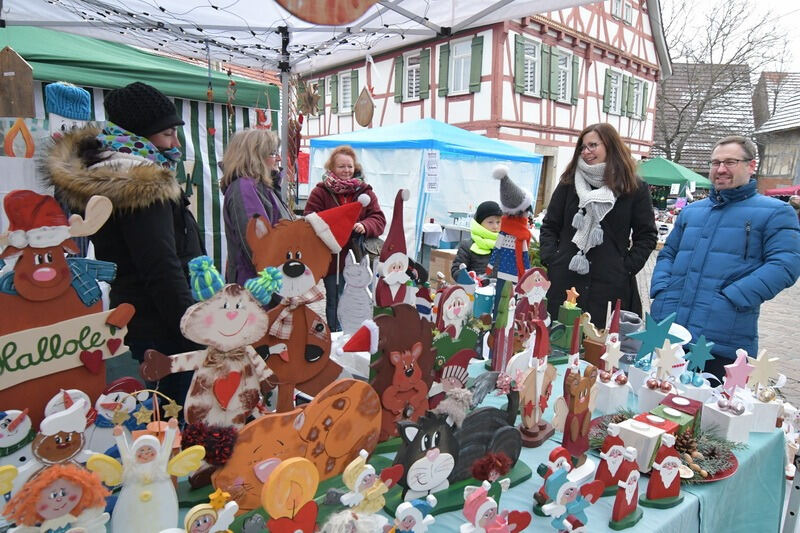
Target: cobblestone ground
[{"x": 778, "y": 329}]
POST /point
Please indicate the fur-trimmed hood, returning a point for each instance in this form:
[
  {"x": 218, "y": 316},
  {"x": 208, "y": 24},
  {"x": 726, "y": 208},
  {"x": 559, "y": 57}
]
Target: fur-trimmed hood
[{"x": 129, "y": 181}]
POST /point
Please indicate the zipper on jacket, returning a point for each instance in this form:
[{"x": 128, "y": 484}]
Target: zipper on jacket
[{"x": 746, "y": 238}]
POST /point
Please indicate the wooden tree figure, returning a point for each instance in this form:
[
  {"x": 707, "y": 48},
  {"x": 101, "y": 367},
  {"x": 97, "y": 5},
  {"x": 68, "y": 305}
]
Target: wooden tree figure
[
  {"x": 58, "y": 332},
  {"x": 502, "y": 336},
  {"x": 563, "y": 329},
  {"x": 652, "y": 336},
  {"x": 391, "y": 288},
  {"x": 298, "y": 339},
  {"x": 535, "y": 391},
  {"x": 763, "y": 371},
  {"x": 63, "y": 497},
  {"x": 664, "y": 486},
  {"x": 626, "y": 512},
  {"x": 696, "y": 361},
  {"x": 366, "y": 487},
  {"x": 288, "y": 496},
  {"x": 147, "y": 502},
  {"x": 616, "y": 461},
  {"x": 228, "y": 374},
  {"x": 329, "y": 431}
]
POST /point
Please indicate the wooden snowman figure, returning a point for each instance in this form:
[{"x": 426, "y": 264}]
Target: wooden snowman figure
[
  {"x": 68, "y": 107},
  {"x": 664, "y": 486},
  {"x": 616, "y": 461},
  {"x": 626, "y": 512},
  {"x": 391, "y": 287},
  {"x": 16, "y": 436},
  {"x": 147, "y": 502},
  {"x": 115, "y": 406}
]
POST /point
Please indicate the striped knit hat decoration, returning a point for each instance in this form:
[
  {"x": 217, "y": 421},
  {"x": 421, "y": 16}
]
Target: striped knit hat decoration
[
  {"x": 204, "y": 278},
  {"x": 268, "y": 282}
]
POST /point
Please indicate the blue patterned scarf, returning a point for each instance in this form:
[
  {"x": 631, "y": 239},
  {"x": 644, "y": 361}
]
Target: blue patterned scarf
[{"x": 119, "y": 140}]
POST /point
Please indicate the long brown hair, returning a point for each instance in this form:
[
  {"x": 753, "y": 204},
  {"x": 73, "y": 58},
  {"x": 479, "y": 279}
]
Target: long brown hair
[
  {"x": 246, "y": 155},
  {"x": 620, "y": 174}
]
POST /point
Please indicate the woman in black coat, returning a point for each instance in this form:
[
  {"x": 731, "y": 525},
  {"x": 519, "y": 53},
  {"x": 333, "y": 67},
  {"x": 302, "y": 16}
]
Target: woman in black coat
[{"x": 599, "y": 228}]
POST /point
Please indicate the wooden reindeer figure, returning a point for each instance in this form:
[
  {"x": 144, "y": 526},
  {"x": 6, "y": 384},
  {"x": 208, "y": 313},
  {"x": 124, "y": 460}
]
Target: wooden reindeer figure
[
  {"x": 228, "y": 374},
  {"x": 48, "y": 293},
  {"x": 573, "y": 415},
  {"x": 298, "y": 339}
]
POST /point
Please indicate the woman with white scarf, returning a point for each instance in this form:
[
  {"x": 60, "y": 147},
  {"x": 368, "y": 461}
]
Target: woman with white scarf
[{"x": 599, "y": 228}]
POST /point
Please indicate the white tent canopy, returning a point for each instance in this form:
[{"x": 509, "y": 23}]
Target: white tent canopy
[{"x": 255, "y": 32}]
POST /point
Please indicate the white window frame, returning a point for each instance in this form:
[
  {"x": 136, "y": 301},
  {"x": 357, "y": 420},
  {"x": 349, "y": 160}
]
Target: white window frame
[
  {"x": 565, "y": 75},
  {"x": 616, "y": 109},
  {"x": 628, "y": 13},
  {"x": 638, "y": 93},
  {"x": 345, "y": 96},
  {"x": 460, "y": 53},
  {"x": 532, "y": 68},
  {"x": 617, "y": 9},
  {"x": 408, "y": 68}
]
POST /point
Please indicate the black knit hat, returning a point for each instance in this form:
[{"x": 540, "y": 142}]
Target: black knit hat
[
  {"x": 487, "y": 209},
  {"x": 141, "y": 109}
]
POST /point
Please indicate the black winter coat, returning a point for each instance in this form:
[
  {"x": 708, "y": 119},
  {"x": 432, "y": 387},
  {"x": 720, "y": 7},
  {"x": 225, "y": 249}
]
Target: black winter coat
[
  {"x": 630, "y": 236},
  {"x": 151, "y": 234}
]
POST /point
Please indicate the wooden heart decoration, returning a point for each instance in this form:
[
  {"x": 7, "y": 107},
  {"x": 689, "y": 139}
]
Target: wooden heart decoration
[
  {"x": 518, "y": 520},
  {"x": 93, "y": 361},
  {"x": 113, "y": 345},
  {"x": 224, "y": 388}
]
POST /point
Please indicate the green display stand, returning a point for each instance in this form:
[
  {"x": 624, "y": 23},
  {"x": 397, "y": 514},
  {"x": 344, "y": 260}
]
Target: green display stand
[
  {"x": 664, "y": 503},
  {"x": 629, "y": 521}
]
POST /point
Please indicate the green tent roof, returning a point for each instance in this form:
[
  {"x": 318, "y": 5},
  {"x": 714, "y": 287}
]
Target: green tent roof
[
  {"x": 58, "y": 56},
  {"x": 660, "y": 171}
]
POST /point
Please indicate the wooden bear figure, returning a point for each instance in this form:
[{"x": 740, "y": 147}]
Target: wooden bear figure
[
  {"x": 298, "y": 339},
  {"x": 577, "y": 393},
  {"x": 227, "y": 319}
]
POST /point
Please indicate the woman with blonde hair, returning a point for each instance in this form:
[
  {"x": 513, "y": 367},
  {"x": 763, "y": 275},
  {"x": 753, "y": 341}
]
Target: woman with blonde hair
[
  {"x": 343, "y": 183},
  {"x": 251, "y": 185},
  {"x": 599, "y": 228}
]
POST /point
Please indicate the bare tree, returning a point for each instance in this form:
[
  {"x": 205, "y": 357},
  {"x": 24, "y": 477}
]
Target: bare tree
[{"x": 715, "y": 56}]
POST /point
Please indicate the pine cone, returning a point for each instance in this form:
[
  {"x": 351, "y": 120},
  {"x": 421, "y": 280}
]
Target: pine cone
[
  {"x": 685, "y": 443},
  {"x": 618, "y": 418}
]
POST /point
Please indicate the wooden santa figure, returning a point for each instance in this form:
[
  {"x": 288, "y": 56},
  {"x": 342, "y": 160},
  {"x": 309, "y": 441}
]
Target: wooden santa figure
[
  {"x": 664, "y": 487},
  {"x": 616, "y": 461},
  {"x": 626, "y": 512},
  {"x": 532, "y": 291},
  {"x": 558, "y": 458},
  {"x": 391, "y": 287}
]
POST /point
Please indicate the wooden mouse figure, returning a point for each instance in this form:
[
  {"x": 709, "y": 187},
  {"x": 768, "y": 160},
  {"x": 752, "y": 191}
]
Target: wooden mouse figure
[
  {"x": 298, "y": 339},
  {"x": 227, "y": 319},
  {"x": 575, "y": 406}
]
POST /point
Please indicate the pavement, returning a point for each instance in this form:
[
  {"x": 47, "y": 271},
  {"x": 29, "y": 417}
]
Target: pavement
[{"x": 778, "y": 326}]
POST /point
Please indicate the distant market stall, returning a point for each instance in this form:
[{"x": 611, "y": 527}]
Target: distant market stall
[{"x": 663, "y": 172}]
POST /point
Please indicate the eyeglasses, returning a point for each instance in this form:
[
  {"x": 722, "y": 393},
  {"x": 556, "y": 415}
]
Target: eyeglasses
[
  {"x": 591, "y": 147},
  {"x": 729, "y": 163}
]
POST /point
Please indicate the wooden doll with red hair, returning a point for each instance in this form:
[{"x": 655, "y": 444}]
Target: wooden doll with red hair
[{"x": 61, "y": 497}]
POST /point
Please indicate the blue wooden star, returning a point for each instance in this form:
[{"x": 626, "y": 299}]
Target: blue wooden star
[
  {"x": 700, "y": 354},
  {"x": 654, "y": 335}
]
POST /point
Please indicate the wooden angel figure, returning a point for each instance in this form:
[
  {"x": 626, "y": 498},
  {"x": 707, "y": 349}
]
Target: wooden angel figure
[
  {"x": 626, "y": 512},
  {"x": 509, "y": 258},
  {"x": 213, "y": 517},
  {"x": 569, "y": 500},
  {"x": 573, "y": 414},
  {"x": 61, "y": 498},
  {"x": 147, "y": 502},
  {"x": 414, "y": 516},
  {"x": 558, "y": 459},
  {"x": 366, "y": 487},
  {"x": 228, "y": 319},
  {"x": 482, "y": 514}
]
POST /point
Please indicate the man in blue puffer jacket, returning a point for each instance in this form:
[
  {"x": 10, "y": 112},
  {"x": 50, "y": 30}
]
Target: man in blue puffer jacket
[{"x": 727, "y": 255}]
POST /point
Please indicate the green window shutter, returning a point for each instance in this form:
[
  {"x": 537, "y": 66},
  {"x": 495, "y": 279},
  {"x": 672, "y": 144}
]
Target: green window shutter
[
  {"x": 398, "y": 79},
  {"x": 545, "y": 73},
  {"x": 425, "y": 73},
  {"x": 353, "y": 89},
  {"x": 576, "y": 65},
  {"x": 623, "y": 105},
  {"x": 554, "y": 56},
  {"x": 629, "y": 110},
  {"x": 444, "y": 68},
  {"x": 644, "y": 100},
  {"x": 607, "y": 92},
  {"x": 334, "y": 94},
  {"x": 321, "y": 93},
  {"x": 519, "y": 64},
  {"x": 476, "y": 60}
]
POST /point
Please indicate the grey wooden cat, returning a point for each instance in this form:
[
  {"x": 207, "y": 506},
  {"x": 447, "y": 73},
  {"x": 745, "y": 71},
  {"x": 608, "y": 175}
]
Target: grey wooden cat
[{"x": 355, "y": 305}]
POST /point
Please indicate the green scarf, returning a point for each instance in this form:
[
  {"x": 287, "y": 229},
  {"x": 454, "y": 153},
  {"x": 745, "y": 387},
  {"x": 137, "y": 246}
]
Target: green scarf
[{"x": 482, "y": 239}]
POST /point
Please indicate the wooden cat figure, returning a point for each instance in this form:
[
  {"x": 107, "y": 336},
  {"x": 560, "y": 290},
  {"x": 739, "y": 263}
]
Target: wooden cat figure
[
  {"x": 298, "y": 340},
  {"x": 355, "y": 304},
  {"x": 228, "y": 374}
]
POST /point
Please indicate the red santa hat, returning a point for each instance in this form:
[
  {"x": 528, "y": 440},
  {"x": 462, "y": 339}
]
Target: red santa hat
[
  {"x": 35, "y": 220},
  {"x": 335, "y": 225},
  {"x": 70, "y": 420},
  {"x": 365, "y": 339},
  {"x": 612, "y": 439},
  {"x": 446, "y": 294},
  {"x": 528, "y": 273},
  {"x": 667, "y": 448},
  {"x": 477, "y": 502},
  {"x": 559, "y": 456},
  {"x": 124, "y": 384},
  {"x": 614, "y": 327},
  {"x": 396, "y": 238}
]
